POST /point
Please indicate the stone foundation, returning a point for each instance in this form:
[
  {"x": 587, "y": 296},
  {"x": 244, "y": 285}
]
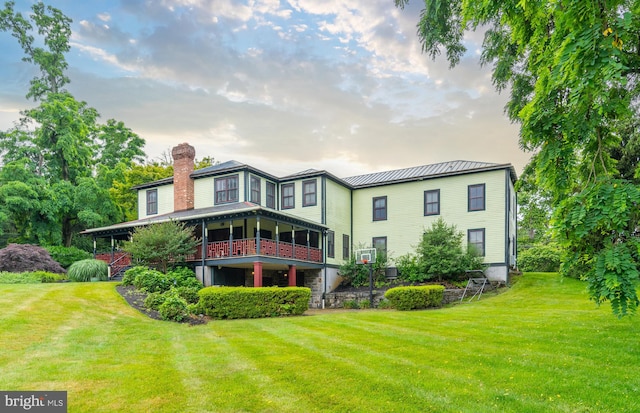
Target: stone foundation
[{"x": 337, "y": 299}]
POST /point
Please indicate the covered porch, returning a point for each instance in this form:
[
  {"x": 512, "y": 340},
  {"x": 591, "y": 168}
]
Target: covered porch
[{"x": 241, "y": 244}]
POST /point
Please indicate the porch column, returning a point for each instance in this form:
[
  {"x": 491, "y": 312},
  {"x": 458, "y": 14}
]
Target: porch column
[
  {"x": 292, "y": 276},
  {"x": 203, "y": 249},
  {"x": 257, "y": 274},
  {"x": 231, "y": 238},
  {"x": 257, "y": 235},
  {"x": 95, "y": 251},
  {"x": 113, "y": 249},
  {"x": 277, "y": 240}
]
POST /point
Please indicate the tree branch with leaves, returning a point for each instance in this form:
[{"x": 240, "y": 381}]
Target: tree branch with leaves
[{"x": 571, "y": 68}]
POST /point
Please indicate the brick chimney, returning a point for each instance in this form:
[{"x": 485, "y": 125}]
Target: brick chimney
[{"x": 183, "y": 164}]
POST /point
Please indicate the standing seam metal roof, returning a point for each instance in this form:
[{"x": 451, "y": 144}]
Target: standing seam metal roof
[{"x": 424, "y": 171}]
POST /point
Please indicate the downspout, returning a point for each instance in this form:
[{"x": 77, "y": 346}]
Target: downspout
[
  {"x": 324, "y": 240},
  {"x": 515, "y": 230},
  {"x": 324, "y": 261},
  {"x": 506, "y": 224}
]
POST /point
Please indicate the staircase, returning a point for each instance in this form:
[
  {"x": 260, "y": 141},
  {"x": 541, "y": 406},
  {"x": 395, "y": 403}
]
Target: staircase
[{"x": 118, "y": 262}]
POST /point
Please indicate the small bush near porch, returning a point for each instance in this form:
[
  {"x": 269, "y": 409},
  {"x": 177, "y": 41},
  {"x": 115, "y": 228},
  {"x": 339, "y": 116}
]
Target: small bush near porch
[{"x": 241, "y": 302}]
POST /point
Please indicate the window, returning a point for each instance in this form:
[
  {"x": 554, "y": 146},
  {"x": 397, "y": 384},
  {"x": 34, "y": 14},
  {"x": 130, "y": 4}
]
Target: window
[
  {"x": 331, "y": 244},
  {"x": 346, "y": 247},
  {"x": 432, "y": 202},
  {"x": 309, "y": 193},
  {"x": 476, "y": 197},
  {"x": 380, "y": 208},
  {"x": 271, "y": 195},
  {"x": 476, "y": 240},
  {"x": 380, "y": 244},
  {"x": 255, "y": 190},
  {"x": 152, "y": 201},
  {"x": 288, "y": 196},
  {"x": 226, "y": 189}
]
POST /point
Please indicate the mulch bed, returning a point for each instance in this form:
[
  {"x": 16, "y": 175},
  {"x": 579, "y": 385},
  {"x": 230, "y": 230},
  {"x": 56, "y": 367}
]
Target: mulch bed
[{"x": 135, "y": 298}]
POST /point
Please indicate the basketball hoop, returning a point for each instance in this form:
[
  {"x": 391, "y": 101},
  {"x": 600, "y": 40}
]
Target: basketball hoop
[{"x": 365, "y": 261}]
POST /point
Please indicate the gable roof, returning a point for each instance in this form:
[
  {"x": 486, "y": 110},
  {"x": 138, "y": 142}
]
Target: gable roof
[
  {"x": 359, "y": 181},
  {"x": 220, "y": 167},
  {"x": 425, "y": 172}
]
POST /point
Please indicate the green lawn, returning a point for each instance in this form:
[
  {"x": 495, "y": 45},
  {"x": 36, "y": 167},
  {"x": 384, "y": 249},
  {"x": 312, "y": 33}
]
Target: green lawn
[{"x": 539, "y": 347}]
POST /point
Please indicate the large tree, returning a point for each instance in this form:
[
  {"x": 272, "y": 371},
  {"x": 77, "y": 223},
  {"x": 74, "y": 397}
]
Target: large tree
[
  {"x": 70, "y": 156},
  {"x": 571, "y": 67}
]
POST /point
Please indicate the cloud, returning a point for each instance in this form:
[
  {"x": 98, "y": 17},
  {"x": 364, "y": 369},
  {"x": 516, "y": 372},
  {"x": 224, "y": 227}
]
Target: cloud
[{"x": 287, "y": 85}]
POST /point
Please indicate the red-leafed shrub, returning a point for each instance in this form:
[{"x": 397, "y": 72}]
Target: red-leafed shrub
[{"x": 26, "y": 257}]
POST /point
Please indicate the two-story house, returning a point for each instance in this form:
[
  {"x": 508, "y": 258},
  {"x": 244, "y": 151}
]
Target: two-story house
[{"x": 258, "y": 229}]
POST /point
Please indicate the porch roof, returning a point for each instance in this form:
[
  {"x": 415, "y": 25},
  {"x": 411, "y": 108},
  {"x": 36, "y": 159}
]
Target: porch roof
[{"x": 216, "y": 213}]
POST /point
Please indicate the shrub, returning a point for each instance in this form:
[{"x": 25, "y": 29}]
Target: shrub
[
  {"x": 540, "y": 258},
  {"x": 364, "y": 304},
  {"x": 414, "y": 298},
  {"x": 153, "y": 281},
  {"x": 357, "y": 275},
  {"x": 173, "y": 308},
  {"x": 350, "y": 304},
  {"x": 384, "y": 304},
  {"x": 29, "y": 277},
  {"x": 194, "y": 309},
  {"x": 68, "y": 255},
  {"x": 48, "y": 277},
  {"x": 409, "y": 268},
  {"x": 162, "y": 244},
  {"x": 19, "y": 258},
  {"x": 132, "y": 273},
  {"x": 155, "y": 300},
  {"x": 189, "y": 294},
  {"x": 184, "y": 277},
  {"x": 85, "y": 270},
  {"x": 242, "y": 302},
  {"x": 441, "y": 254}
]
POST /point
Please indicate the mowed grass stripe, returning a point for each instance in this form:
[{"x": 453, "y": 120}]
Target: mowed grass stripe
[{"x": 541, "y": 346}]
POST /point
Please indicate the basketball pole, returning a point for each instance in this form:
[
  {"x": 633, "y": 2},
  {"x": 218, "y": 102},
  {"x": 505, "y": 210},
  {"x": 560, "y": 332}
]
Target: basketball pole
[{"x": 370, "y": 285}]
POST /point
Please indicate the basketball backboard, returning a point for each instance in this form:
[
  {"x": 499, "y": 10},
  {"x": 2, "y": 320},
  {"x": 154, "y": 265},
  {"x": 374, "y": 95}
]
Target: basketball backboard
[{"x": 365, "y": 256}]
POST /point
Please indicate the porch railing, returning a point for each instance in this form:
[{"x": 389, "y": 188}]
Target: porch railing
[
  {"x": 249, "y": 246},
  {"x": 118, "y": 261}
]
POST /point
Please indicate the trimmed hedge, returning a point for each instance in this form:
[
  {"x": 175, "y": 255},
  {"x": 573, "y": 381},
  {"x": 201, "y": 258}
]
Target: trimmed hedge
[
  {"x": 242, "y": 302},
  {"x": 415, "y": 298}
]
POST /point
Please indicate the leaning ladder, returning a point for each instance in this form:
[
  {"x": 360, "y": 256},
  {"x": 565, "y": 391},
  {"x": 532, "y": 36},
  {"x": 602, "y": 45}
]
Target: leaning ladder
[{"x": 475, "y": 284}]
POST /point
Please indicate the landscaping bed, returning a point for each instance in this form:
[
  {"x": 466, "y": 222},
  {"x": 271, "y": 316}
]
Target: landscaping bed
[{"x": 135, "y": 298}]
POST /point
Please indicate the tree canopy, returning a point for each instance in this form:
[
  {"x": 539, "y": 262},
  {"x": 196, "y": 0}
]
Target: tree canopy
[
  {"x": 571, "y": 68},
  {"x": 58, "y": 161}
]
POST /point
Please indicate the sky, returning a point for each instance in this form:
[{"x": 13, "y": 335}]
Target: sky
[{"x": 282, "y": 85}]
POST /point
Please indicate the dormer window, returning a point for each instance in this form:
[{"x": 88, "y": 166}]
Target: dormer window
[{"x": 152, "y": 201}]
